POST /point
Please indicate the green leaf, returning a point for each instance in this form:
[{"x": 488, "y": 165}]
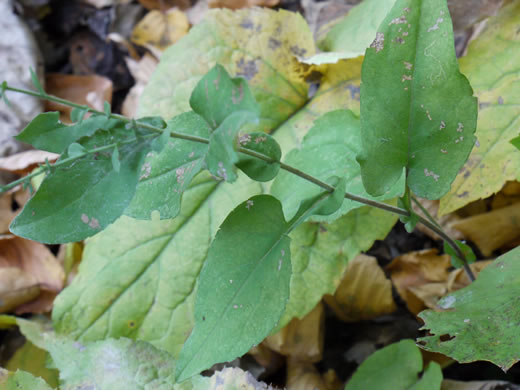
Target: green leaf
[
  {"x": 456, "y": 261},
  {"x": 46, "y": 132},
  {"x": 21, "y": 380},
  {"x": 75, "y": 150},
  {"x": 356, "y": 31},
  {"x": 418, "y": 113},
  {"x": 492, "y": 64},
  {"x": 257, "y": 44},
  {"x": 217, "y": 96},
  {"x": 222, "y": 156},
  {"x": 487, "y": 308},
  {"x": 107, "y": 108},
  {"x": 244, "y": 284},
  {"x": 77, "y": 114},
  {"x": 167, "y": 174},
  {"x": 116, "y": 164},
  {"x": 32, "y": 359},
  {"x": 80, "y": 198},
  {"x": 253, "y": 167},
  {"x": 320, "y": 254},
  {"x": 138, "y": 278},
  {"x": 329, "y": 148},
  {"x": 396, "y": 366},
  {"x": 116, "y": 365},
  {"x": 515, "y": 142}
]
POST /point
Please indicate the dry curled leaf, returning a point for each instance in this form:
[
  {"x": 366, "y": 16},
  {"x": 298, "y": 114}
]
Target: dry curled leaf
[
  {"x": 304, "y": 376},
  {"x": 28, "y": 270},
  {"x": 364, "y": 293},
  {"x": 301, "y": 338},
  {"x": 91, "y": 90},
  {"x": 446, "y": 221},
  {"x": 24, "y": 162},
  {"x": 141, "y": 71},
  {"x": 493, "y": 229}
]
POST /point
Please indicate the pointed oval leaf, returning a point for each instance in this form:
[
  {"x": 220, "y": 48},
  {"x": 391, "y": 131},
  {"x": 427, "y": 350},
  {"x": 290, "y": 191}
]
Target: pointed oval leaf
[
  {"x": 243, "y": 286},
  {"x": 418, "y": 113},
  {"x": 81, "y": 198},
  {"x": 487, "y": 307},
  {"x": 21, "y": 380}
]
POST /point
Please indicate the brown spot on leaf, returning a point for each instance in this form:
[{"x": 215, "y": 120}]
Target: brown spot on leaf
[
  {"x": 247, "y": 23},
  {"x": 378, "y": 43},
  {"x": 94, "y": 223},
  {"x": 274, "y": 43},
  {"x": 247, "y": 69}
]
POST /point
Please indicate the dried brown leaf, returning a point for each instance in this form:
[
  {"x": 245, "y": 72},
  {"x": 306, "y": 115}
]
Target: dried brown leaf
[
  {"x": 24, "y": 162},
  {"x": 92, "y": 90},
  {"x": 364, "y": 293},
  {"x": 141, "y": 71},
  {"x": 302, "y": 339},
  {"x": 493, "y": 229},
  {"x": 238, "y": 4},
  {"x": 304, "y": 376},
  {"x": 37, "y": 269}
]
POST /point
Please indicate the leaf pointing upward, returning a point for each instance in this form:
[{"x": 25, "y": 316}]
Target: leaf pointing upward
[{"x": 417, "y": 109}]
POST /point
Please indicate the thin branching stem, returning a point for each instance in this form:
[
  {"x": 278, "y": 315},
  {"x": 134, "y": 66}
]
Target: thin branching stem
[{"x": 369, "y": 202}]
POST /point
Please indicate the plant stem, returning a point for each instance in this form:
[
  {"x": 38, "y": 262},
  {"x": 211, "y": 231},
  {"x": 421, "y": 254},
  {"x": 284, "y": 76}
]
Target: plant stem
[
  {"x": 425, "y": 212},
  {"x": 380, "y": 205}
]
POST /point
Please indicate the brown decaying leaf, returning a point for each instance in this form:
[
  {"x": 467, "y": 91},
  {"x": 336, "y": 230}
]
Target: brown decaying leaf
[
  {"x": 238, "y": 4},
  {"x": 364, "y": 293},
  {"x": 421, "y": 278},
  {"x": 492, "y": 230},
  {"x": 6, "y": 211},
  {"x": 304, "y": 376},
  {"x": 302, "y": 339},
  {"x": 24, "y": 162},
  {"x": 91, "y": 90},
  {"x": 141, "y": 71},
  {"x": 270, "y": 360},
  {"x": 105, "y": 3},
  {"x": 158, "y": 30},
  {"x": 165, "y": 4},
  {"x": 28, "y": 270}
]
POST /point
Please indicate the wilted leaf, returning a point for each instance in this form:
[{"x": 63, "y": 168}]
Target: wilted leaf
[
  {"x": 491, "y": 66},
  {"x": 90, "y": 90},
  {"x": 27, "y": 269},
  {"x": 160, "y": 29},
  {"x": 21, "y": 380},
  {"x": 486, "y": 307},
  {"x": 491, "y": 230},
  {"x": 328, "y": 149},
  {"x": 424, "y": 121},
  {"x": 24, "y": 162},
  {"x": 356, "y": 31},
  {"x": 65, "y": 210},
  {"x": 396, "y": 366},
  {"x": 301, "y": 339},
  {"x": 257, "y": 44},
  {"x": 364, "y": 292}
]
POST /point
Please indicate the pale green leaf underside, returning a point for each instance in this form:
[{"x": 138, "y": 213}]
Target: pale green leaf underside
[
  {"x": 417, "y": 109},
  {"x": 395, "y": 367},
  {"x": 329, "y": 149},
  {"x": 492, "y": 65},
  {"x": 487, "y": 308}
]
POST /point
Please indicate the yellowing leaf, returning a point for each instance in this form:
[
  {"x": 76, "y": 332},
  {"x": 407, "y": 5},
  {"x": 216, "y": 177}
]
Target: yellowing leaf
[
  {"x": 237, "y": 4},
  {"x": 301, "y": 339},
  {"x": 491, "y": 65},
  {"x": 364, "y": 293},
  {"x": 302, "y": 375},
  {"x": 258, "y": 44},
  {"x": 160, "y": 29}
]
